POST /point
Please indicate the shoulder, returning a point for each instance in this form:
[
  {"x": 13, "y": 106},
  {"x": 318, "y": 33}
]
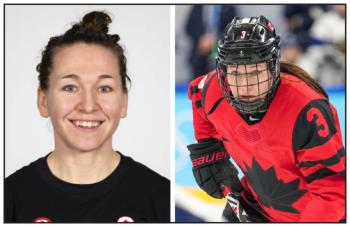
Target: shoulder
[
  {"x": 315, "y": 124},
  {"x": 314, "y": 116},
  {"x": 142, "y": 173},
  {"x": 298, "y": 90},
  {"x": 197, "y": 85},
  {"x": 155, "y": 196},
  {"x": 294, "y": 94},
  {"x": 155, "y": 188},
  {"x": 205, "y": 92},
  {"x": 24, "y": 176}
]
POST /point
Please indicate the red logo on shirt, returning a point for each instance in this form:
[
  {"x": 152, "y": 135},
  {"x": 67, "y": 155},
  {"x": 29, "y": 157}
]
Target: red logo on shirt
[
  {"x": 125, "y": 219},
  {"x": 42, "y": 219}
]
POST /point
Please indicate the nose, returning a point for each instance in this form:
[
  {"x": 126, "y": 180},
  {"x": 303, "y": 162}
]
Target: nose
[
  {"x": 88, "y": 102},
  {"x": 242, "y": 85}
]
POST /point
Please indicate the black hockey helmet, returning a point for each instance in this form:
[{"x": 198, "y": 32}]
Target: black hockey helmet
[{"x": 249, "y": 41}]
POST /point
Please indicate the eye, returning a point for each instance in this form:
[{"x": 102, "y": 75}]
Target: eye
[
  {"x": 104, "y": 89},
  {"x": 70, "y": 88}
]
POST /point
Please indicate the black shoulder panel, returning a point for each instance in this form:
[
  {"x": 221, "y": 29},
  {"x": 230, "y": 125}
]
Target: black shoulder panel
[{"x": 314, "y": 126}]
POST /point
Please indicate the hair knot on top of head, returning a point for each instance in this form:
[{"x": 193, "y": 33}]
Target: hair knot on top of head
[
  {"x": 115, "y": 38},
  {"x": 96, "y": 21},
  {"x": 93, "y": 26},
  {"x": 92, "y": 29}
]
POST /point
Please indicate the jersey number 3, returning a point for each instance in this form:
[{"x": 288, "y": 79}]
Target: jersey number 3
[{"x": 315, "y": 115}]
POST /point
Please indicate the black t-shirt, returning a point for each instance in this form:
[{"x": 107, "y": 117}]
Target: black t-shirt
[{"x": 132, "y": 193}]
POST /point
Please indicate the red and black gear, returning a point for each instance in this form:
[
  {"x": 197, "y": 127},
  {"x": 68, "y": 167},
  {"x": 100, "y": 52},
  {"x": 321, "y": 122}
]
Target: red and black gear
[{"x": 293, "y": 159}]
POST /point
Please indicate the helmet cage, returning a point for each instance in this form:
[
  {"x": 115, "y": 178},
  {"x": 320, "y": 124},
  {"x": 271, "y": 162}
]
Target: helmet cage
[
  {"x": 248, "y": 42},
  {"x": 262, "y": 100}
]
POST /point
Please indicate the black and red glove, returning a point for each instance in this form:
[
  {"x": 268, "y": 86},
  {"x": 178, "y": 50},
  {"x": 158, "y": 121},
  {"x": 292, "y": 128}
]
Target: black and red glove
[{"x": 212, "y": 168}]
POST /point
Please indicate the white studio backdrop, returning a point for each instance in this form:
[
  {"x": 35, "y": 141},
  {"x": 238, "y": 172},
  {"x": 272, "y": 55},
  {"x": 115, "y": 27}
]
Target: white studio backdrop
[{"x": 145, "y": 33}]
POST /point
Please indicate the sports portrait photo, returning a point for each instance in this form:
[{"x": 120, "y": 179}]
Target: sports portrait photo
[
  {"x": 260, "y": 113},
  {"x": 87, "y": 114}
]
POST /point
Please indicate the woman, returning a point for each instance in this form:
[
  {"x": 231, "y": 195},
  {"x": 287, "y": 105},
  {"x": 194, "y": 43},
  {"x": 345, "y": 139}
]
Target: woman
[
  {"x": 276, "y": 123},
  {"x": 83, "y": 89}
]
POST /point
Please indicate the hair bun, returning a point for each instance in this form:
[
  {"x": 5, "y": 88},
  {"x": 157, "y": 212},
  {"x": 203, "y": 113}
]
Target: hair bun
[
  {"x": 96, "y": 21},
  {"x": 115, "y": 38}
]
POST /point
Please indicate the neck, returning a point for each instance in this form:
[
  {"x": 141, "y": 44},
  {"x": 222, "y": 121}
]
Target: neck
[{"x": 83, "y": 167}]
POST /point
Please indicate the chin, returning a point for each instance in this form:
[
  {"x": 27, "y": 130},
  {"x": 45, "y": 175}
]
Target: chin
[
  {"x": 86, "y": 146},
  {"x": 84, "y": 142}
]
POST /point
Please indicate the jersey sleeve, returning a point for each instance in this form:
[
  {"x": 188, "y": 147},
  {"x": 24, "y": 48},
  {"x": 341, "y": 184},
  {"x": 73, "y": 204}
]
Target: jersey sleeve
[
  {"x": 203, "y": 129},
  {"x": 320, "y": 156}
]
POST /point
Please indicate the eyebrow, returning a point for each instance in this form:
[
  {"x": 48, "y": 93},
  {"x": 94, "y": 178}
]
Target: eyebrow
[
  {"x": 76, "y": 77},
  {"x": 252, "y": 72}
]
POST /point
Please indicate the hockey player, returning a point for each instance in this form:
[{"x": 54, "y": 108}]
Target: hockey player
[{"x": 276, "y": 123}]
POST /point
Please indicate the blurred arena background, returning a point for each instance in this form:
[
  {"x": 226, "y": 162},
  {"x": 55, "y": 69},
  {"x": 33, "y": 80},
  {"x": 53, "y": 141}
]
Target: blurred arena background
[{"x": 313, "y": 37}]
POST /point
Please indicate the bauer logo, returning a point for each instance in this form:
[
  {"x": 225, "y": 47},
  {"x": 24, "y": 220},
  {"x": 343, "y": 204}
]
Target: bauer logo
[{"x": 209, "y": 158}]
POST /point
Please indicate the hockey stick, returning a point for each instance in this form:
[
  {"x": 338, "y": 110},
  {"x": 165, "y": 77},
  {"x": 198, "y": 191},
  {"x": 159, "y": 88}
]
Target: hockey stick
[{"x": 232, "y": 199}]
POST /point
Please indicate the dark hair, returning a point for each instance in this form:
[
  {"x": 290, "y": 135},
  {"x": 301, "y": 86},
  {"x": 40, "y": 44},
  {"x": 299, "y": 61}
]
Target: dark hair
[
  {"x": 93, "y": 29},
  {"x": 303, "y": 75}
]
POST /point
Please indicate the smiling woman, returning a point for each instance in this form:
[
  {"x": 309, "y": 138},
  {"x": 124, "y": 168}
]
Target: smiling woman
[
  {"x": 83, "y": 90},
  {"x": 85, "y": 99}
]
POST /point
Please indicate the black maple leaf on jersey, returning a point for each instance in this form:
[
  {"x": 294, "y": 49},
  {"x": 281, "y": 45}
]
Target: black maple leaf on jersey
[{"x": 271, "y": 191}]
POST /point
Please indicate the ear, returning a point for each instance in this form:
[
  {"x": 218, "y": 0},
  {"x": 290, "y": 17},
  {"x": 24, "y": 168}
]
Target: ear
[
  {"x": 124, "y": 107},
  {"x": 42, "y": 103}
]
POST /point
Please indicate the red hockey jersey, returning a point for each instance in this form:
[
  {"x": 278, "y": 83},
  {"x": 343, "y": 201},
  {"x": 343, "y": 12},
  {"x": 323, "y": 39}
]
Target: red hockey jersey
[{"x": 293, "y": 159}]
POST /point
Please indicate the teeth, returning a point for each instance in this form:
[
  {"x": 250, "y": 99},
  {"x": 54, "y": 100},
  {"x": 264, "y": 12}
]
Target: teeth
[{"x": 87, "y": 124}]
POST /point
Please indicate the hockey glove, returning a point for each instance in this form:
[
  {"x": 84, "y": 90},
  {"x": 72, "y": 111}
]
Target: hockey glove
[{"x": 212, "y": 168}]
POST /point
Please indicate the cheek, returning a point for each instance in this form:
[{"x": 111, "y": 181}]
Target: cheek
[
  {"x": 264, "y": 87},
  {"x": 111, "y": 106},
  {"x": 232, "y": 83},
  {"x": 60, "y": 105},
  {"x": 229, "y": 81},
  {"x": 263, "y": 81}
]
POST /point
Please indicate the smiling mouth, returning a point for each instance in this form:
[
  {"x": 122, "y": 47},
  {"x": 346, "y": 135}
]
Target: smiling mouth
[{"x": 86, "y": 124}]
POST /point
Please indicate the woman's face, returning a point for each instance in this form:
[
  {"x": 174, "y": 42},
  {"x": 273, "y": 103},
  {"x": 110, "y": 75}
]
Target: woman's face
[
  {"x": 248, "y": 83},
  {"x": 85, "y": 100}
]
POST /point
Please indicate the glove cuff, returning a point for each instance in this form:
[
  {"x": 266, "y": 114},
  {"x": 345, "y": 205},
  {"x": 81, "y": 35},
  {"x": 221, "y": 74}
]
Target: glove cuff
[
  {"x": 206, "y": 153},
  {"x": 208, "y": 159}
]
